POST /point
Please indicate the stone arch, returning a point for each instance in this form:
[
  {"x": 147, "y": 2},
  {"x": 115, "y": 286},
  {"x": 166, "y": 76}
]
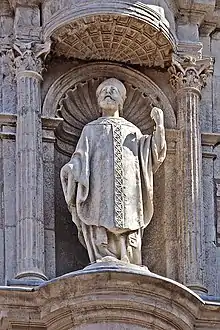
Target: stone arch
[
  {"x": 56, "y": 12},
  {"x": 130, "y": 32},
  {"x": 72, "y": 97}
]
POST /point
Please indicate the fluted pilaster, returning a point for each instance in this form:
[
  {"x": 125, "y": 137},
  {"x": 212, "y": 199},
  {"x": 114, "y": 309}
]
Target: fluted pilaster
[
  {"x": 29, "y": 167},
  {"x": 187, "y": 79}
]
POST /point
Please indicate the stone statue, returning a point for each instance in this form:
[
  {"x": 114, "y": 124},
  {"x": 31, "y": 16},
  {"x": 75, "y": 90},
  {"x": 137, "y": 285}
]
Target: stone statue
[{"x": 108, "y": 183}]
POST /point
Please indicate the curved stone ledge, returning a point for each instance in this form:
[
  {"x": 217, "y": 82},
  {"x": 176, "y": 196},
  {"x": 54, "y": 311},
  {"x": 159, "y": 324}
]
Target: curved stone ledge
[
  {"x": 108, "y": 295},
  {"x": 105, "y": 293}
]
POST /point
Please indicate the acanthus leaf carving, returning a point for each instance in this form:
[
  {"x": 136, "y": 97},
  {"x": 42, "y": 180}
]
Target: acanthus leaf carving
[
  {"x": 31, "y": 56},
  {"x": 189, "y": 72}
]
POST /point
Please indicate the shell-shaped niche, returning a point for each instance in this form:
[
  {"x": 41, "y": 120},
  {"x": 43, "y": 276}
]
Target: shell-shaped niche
[
  {"x": 117, "y": 38},
  {"x": 79, "y": 106}
]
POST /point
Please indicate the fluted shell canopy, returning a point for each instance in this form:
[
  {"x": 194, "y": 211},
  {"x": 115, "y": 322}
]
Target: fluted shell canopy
[{"x": 79, "y": 106}]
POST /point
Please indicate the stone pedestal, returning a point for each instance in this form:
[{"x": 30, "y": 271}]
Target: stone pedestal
[{"x": 187, "y": 79}]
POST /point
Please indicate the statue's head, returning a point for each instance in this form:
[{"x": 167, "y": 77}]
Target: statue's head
[{"x": 111, "y": 95}]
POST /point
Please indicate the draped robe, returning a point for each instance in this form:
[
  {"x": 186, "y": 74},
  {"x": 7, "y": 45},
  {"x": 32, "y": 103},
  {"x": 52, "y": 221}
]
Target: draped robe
[{"x": 111, "y": 182}]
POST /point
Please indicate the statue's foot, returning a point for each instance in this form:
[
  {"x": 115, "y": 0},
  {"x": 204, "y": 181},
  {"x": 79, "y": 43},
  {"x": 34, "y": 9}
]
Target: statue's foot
[
  {"x": 107, "y": 259},
  {"x": 125, "y": 259}
]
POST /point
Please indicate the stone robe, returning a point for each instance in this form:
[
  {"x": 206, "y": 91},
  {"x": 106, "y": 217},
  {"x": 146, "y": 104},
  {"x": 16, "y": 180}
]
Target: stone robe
[{"x": 111, "y": 185}]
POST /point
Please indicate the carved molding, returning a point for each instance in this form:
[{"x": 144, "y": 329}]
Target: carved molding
[
  {"x": 210, "y": 139},
  {"x": 150, "y": 301},
  {"x": 132, "y": 298},
  {"x": 189, "y": 72},
  {"x": 191, "y": 49}
]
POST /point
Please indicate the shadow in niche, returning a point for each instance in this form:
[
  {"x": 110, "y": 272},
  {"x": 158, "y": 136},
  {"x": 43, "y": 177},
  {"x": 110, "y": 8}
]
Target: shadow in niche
[
  {"x": 70, "y": 254},
  {"x": 154, "y": 240}
]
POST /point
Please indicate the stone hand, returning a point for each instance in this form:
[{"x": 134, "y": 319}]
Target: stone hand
[
  {"x": 64, "y": 175},
  {"x": 67, "y": 181},
  {"x": 65, "y": 170},
  {"x": 157, "y": 116}
]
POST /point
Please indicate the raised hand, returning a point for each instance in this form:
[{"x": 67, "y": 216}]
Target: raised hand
[{"x": 157, "y": 115}]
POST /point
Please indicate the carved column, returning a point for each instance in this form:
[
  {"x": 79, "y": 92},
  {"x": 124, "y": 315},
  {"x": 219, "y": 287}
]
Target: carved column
[
  {"x": 7, "y": 145},
  {"x": 187, "y": 79},
  {"x": 29, "y": 166}
]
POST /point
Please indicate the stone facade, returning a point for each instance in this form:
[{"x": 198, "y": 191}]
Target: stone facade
[{"x": 53, "y": 55}]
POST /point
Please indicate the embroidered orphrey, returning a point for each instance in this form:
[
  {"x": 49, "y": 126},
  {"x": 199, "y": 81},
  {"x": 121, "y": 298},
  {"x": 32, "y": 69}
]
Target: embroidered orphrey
[
  {"x": 118, "y": 172},
  {"x": 118, "y": 175}
]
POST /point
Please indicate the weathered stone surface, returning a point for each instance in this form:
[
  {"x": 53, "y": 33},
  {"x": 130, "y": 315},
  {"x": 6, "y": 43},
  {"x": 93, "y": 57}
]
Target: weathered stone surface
[
  {"x": 126, "y": 24},
  {"x": 75, "y": 90},
  {"x": 139, "y": 43},
  {"x": 112, "y": 151},
  {"x": 187, "y": 79},
  {"x": 109, "y": 293},
  {"x": 29, "y": 166},
  {"x": 144, "y": 32}
]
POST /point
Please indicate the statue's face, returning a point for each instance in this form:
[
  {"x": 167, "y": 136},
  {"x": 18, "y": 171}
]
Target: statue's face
[{"x": 110, "y": 99}]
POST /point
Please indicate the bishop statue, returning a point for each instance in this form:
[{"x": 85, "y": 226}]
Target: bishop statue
[{"x": 108, "y": 183}]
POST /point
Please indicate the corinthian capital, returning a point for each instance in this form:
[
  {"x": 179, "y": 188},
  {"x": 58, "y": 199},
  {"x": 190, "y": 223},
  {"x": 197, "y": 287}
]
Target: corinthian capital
[
  {"x": 189, "y": 72},
  {"x": 30, "y": 56}
]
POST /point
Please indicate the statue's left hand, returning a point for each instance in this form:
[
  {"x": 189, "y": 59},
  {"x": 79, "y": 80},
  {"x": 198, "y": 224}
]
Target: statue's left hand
[
  {"x": 157, "y": 116},
  {"x": 66, "y": 176}
]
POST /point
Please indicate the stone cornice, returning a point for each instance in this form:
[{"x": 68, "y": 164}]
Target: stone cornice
[
  {"x": 210, "y": 139},
  {"x": 48, "y": 125},
  {"x": 207, "y": 28}
]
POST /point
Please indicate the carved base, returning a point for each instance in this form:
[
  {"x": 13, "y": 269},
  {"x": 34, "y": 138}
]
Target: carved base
[
  {"x": 111, "y": 263},
  {"x": 198, "y": 289},
  {"x": 31, "y": 275}
]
